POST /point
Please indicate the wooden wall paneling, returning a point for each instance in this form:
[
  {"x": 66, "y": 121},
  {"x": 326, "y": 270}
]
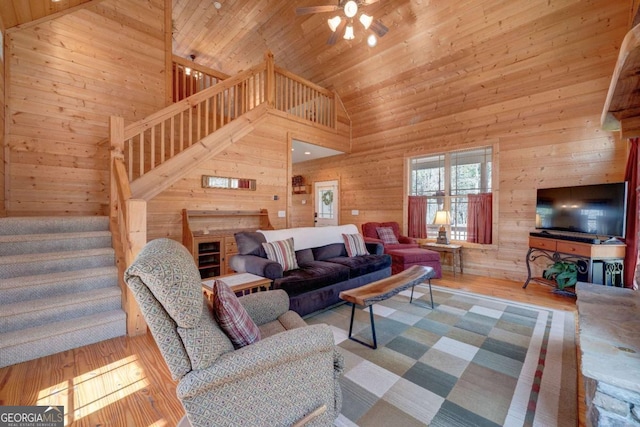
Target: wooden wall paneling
[
  {"x": 260, "y": 155},
  {"x": 264, "y": 155},
  {"x": 73, "y": 72},
  {"x": 3, "y": 128},
  {"x": 495, "y": 78},
  {"x": 15, "y": 13}
]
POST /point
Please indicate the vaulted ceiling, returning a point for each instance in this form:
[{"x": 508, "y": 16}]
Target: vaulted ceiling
[
  {"x": 16, "y": 12},
  {"x": 439, "y": 58}
]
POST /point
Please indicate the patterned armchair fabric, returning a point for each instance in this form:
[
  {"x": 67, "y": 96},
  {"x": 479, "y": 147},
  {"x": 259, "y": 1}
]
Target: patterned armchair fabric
[
  {"x": 276, "y": 381},
  {"x": 370, "y": 234}
]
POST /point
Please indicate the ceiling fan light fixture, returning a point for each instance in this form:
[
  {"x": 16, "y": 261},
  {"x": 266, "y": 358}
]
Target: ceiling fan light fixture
[
  {"x": 348, "y": 33},
  {"x": 350, "y": 9},
  {"x": 372, "y": 40},
  {"x": 334, "y": 22},
  {"x": 366, "y": 21}
]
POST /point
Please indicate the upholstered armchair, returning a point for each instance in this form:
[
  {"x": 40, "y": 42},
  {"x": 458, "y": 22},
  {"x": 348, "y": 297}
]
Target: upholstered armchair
[
  {"x": 290, "y": 372},
  {"x": 377, "y": 232}
]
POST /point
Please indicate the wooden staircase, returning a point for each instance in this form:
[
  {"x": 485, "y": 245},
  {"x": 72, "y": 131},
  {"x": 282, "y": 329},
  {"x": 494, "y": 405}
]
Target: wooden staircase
[{"x": 152, "y": 154}]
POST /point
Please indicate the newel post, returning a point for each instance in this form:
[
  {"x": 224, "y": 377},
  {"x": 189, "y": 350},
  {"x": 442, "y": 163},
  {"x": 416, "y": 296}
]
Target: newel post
[
  {"x": 270, "y": 86},
  {"x": 136, "y": 226},
  {"x": 116, "y": 142}
]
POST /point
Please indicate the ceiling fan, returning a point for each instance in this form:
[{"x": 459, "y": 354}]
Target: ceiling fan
[{"x": 338, "y": 24}]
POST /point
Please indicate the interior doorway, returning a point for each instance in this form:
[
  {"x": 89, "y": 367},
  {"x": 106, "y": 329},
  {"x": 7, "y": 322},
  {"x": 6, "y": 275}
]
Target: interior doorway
[{"x": 326, "y": 196}]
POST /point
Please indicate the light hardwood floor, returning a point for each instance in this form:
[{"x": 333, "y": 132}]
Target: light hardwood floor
[{"x": 124, "y": 381}]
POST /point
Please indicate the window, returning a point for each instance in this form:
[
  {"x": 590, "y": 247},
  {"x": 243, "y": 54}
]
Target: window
[{"x": 446, "y": 179}]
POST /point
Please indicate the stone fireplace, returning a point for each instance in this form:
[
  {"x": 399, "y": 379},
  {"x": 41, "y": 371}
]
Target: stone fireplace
[{"x": 609, "y": 320}]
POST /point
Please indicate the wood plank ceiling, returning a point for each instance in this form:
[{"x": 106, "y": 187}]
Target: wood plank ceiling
[
  {"x": 438, "y": 58},
  {"x": 16, "y": 12}
]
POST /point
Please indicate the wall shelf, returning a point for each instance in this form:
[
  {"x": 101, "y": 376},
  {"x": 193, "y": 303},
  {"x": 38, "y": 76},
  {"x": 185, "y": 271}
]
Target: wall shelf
[{"x": 301, "y": 189}]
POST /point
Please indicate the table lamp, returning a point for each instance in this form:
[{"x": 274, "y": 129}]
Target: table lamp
[{"x": 442, "y": 219}]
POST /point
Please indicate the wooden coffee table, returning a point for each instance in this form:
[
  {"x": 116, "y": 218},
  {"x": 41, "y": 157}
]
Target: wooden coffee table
[
  {"x": 238, "y": 282},
  {"x": 383, "y": 289}
]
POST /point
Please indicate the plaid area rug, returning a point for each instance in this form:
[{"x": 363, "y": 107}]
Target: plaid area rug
[{"x": 471, "y": 361}]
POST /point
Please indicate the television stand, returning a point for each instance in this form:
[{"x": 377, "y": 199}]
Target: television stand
[{"x": 601, "y": 263}]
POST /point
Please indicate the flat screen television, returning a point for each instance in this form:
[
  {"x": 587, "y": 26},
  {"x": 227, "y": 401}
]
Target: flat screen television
[{"x": 593, "y": 209}]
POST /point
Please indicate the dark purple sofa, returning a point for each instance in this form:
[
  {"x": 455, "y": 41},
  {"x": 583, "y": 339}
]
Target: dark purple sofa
[{"x": 323, "y": 271}]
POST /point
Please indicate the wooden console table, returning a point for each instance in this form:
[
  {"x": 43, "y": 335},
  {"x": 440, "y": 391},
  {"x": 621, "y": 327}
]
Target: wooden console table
[{"x": 609, "y": 258}]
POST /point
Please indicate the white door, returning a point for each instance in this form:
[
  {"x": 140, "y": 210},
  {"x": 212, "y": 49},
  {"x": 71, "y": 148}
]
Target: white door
[{"x": 326, "y": 199}]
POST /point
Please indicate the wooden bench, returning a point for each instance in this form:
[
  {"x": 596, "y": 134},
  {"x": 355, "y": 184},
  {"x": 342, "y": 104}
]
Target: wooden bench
[{"x": 381, "y": 290}]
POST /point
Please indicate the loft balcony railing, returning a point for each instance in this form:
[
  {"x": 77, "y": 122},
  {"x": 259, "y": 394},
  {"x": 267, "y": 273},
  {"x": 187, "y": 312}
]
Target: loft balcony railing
[
  {"x": 207, "y": 100},
  {"x": 189, "y": 78}
]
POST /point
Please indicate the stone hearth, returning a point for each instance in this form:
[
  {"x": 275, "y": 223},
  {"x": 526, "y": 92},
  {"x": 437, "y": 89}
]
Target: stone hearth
[{"x": 609, "y": 320}]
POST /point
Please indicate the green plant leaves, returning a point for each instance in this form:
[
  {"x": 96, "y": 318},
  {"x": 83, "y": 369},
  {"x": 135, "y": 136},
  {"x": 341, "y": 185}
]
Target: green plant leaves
[{"x": 564, "y": 273}]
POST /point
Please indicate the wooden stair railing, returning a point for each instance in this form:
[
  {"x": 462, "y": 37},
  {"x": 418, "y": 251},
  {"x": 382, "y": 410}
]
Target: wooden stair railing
[
  {"x": 304, "y": 100},
  {"x": 191, "y": 131},
  {"x": 162, "y": 135},
  {"x": 189, "y": 78},
  {"x": 128, "y": 223}
]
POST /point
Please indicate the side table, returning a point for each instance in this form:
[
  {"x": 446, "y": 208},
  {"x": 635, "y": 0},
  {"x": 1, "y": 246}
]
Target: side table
[
  {"x": 454, "y": 250},
  {"x": 238, "y": 282}
]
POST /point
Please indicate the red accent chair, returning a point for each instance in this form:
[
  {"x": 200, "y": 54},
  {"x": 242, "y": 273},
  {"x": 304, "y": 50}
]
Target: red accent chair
[
  {"x": 370, "y": 234},
  {"x": 406, "y": 252}
]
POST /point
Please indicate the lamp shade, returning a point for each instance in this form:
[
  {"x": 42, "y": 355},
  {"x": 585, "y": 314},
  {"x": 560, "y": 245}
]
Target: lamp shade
[
  {"x": 442, "y": 218},
  {"x": 333, "y": 23},
  {"x": 366, "y": 21},
  {"x": 348, "y": 33}
]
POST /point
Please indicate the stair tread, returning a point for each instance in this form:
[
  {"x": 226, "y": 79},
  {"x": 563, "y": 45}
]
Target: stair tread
[
  {"x": 58, "y": 328},
  {"x": 61, "y": 276},
  {"x": 27, "y": 224},
  {"x": 40, "y": 304},
  {"x": 12, "y": 238},
  {"x": 23, "y": 258}
]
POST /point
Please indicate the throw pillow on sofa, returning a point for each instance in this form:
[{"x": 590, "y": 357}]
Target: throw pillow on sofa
[
  {"x": 355, "y": 245},
  {"x": 387, "y": 236},
  {"x": 232, "y": 316},
  {"x": 282, "y": 252}
]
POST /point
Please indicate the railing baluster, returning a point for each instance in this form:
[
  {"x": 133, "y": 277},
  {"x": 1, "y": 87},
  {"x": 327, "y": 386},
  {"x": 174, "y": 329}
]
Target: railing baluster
[
  {"x": 130, "y": 160},
  {"x": 198, "y": 121},
  {"x": 206, "y": 116},
  {"x": 172, "y": 137},
  {"x": 221, "y": 99},
  {"x": 229, "y": 100},
  {"x": 152, "y": 133},
  {"x": 181, "y": 131},
  {"x": 141, "y": 154},
  {"x": 214, "y": 102},
  {"x": 176, "y": 95},
  {"x": 184, "y": 83},
  {"x": 162, "y": 141},
  {"x": 190, "y": 126}
]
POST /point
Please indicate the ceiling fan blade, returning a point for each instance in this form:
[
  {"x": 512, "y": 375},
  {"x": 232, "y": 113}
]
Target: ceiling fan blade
[
  {"x": 368, "y": 2},
  {"x": 333, "y": 38},
  {"x": 316, "y": 9},
  {"x": 379, "y": 28}
]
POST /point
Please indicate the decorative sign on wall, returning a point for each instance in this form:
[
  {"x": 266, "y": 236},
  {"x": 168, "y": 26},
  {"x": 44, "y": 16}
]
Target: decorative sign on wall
[{"x": 228, "y": 183}]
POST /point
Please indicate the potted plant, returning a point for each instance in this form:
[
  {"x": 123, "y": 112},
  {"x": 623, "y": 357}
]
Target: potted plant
[{"x": 564, "y": 273}]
